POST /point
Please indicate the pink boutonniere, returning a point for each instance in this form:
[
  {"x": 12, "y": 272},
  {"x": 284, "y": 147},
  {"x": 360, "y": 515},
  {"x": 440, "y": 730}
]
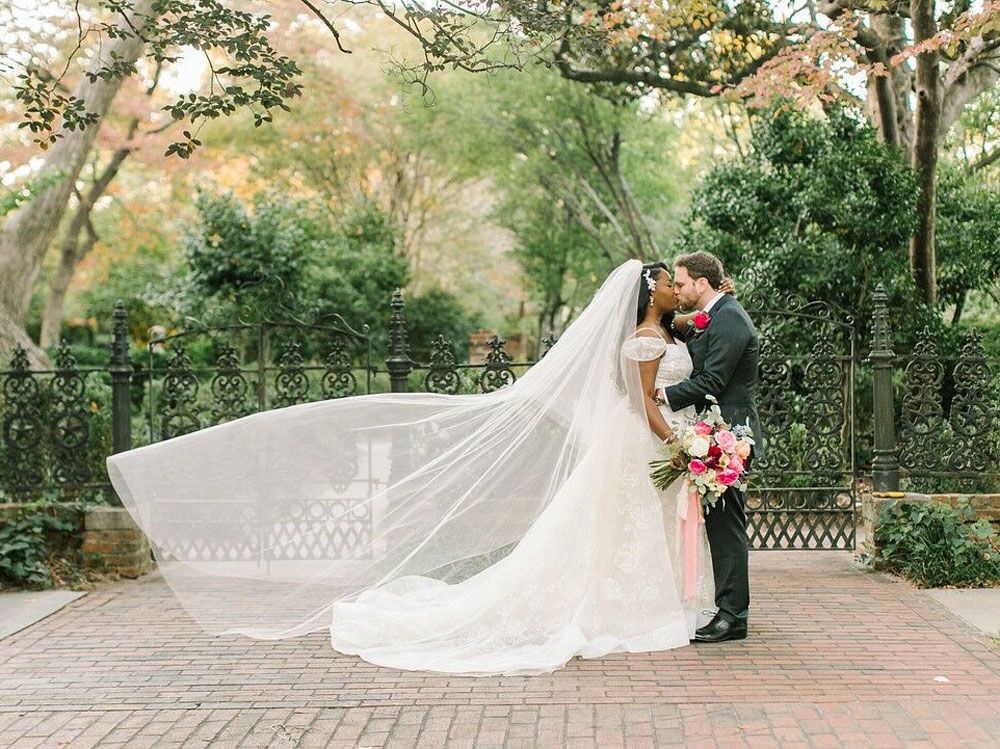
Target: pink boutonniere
[{"x": 700, "y": 321}]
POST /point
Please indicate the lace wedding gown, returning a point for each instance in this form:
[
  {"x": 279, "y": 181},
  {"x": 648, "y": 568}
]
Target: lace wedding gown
[
  {"x": 501, "y": 532},
  {"x": 598, "y": 572}
]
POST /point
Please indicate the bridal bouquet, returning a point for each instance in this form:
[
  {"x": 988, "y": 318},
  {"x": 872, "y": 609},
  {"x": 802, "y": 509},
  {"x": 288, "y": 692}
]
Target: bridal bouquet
[{"x": 710, "y": 454}]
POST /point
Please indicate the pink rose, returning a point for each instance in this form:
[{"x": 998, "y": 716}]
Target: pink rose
[
  {"x": 727, "y": 477},
  {"x": 735, "y": 464},
  {"x": 702, "y": 428},
  {"x": 743, "y": 449},
  {"x": 726, "y": 440},
  {"x": 697, "y": 467}
]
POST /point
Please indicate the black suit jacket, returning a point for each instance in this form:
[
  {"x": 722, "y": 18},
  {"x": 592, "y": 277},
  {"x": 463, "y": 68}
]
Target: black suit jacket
[{"x": 725, "y": 357}]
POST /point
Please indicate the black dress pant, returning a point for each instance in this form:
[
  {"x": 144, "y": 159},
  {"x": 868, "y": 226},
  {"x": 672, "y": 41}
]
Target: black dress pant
[{"x": 726, "y": 526}]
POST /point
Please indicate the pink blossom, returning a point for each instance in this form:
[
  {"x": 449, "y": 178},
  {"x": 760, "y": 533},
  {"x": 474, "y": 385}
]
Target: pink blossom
[
  {"x": 702, "y": 428},
  {"x": 735, "y": 464},
  {"x": 742, "y": 449},
  {"x": 697, "y": 467},
  {"x": 727, "y": 477},
  {"x": 726, "y": 440}
]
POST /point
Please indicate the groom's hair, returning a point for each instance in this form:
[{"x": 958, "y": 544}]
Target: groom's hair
[{"x": 702, "y": 264}]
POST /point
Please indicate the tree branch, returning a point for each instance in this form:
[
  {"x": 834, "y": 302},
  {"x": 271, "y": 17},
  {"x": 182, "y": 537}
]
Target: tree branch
[
  {"x": 985, "y": 160},
  {"x": 326, "y": 22}
]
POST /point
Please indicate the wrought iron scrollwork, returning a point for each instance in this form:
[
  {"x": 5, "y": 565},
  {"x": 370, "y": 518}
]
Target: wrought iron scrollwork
[
  {"x": 180, "y": 393},
  {"x": 755, "y": 290},
  {"x": 23, "y": 425},
  {"x": 344, "y": 462},
  {"x": 824, "y": 413},
  {"x": 442, "y": 371},
  {"x": 973, "y": 410},
  {"x": 291, "y": 383},
  {"x": 69, "y": 435},
  {"x": 498, "y": 372},
  {"x": 775, "y": 408},
  {"x": 338, "y": 381},
  {"x": 321, "y": 529},
  {"x": 230, "y": 388},
  {"x": 922, "y": 432}
]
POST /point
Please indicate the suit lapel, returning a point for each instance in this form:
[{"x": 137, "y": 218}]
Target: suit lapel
[{"x": 696, "y": 345}]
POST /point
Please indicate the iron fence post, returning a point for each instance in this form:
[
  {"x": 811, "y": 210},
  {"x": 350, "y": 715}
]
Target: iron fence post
[
  {"x": 885, "y": 461},
  {"x": 121, "y": 385},
  {"x": 399, "y": 363}
]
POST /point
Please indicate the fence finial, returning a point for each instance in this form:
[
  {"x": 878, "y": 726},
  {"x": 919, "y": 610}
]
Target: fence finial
[
  {"x": 881, "y": 337},
  {"x": 399, "y": 363}
]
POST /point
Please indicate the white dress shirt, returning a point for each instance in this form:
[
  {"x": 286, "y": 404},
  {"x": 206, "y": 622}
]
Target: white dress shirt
[{"x": 712, "y": 301}]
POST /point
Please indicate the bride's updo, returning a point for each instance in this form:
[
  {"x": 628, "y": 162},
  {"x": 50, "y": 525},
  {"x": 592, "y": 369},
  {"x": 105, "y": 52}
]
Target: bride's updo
[{"x": 656, "y": 271}]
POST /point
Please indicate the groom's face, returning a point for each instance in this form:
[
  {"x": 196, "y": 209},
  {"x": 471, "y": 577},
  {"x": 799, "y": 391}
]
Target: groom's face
[{"x": 688, "y": 290}]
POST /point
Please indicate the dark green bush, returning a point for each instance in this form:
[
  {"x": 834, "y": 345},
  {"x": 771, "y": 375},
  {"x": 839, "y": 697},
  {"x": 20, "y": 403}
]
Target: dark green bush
[
  {"x": 30, "y": 538},
  {"x": 936, "y": 545}
]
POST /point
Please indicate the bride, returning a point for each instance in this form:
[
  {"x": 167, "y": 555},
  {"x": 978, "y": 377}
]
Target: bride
[{"x": 499, "y": 533}]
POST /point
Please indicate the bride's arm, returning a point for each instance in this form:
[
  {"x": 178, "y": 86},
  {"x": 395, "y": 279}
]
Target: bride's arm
[{"x": 659, "y": 426}]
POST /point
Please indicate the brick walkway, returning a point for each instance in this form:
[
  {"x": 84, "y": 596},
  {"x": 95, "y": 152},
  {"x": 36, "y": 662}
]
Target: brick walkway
[{"x": 836, "y": 657}]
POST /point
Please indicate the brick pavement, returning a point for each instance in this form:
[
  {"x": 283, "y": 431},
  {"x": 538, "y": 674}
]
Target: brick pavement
[{"x": 836, "y": 657}]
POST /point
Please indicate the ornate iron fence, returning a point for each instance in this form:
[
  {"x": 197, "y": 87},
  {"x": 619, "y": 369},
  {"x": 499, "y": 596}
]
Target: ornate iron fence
[
  {"x": 249, "y": 367},
  {"x": 946, "y": 434},
  {"x": 57, "y": 426},
  {"x": 804, "y": 492},
  {"x": 54, "y": 427},
  {"x": 935, "y": 419}
]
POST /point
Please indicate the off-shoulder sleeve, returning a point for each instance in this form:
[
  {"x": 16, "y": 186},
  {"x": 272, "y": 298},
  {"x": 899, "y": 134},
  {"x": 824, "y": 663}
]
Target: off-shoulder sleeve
[{"x": 644, "y": 348}]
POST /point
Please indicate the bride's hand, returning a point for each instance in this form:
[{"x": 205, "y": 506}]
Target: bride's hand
[{"x": 728, "y": 287}]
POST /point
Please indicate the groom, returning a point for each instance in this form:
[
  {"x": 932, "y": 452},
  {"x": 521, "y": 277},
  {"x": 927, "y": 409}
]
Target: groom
[{"x": 725, "y": 355}]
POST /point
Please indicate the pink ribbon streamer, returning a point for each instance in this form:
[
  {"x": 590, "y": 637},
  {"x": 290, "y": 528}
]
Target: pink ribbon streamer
[{"x": 690, "y": 520}]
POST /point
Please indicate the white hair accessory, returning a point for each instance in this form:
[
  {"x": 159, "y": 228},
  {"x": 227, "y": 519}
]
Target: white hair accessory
[{"x": 650, "y": 281}]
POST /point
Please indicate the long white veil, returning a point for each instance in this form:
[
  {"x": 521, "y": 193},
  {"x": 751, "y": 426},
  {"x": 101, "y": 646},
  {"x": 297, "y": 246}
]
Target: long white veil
[{"x": 260, "y": 525}]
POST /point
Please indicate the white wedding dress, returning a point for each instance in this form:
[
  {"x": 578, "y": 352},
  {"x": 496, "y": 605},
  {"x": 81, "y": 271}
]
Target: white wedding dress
[
  {"x": 504, "y": 532},
  {"x": 598, "y": 572}
]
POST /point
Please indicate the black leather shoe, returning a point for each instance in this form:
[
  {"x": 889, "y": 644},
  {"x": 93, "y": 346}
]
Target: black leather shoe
[{"x": 720, "y": 630}]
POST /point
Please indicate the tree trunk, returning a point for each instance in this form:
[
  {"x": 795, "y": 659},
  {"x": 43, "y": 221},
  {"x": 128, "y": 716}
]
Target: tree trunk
[
  {"x": 925, "y": 150},
  {"x": 883, "y": 99},
  {"x": 28, "y": 231},
  {"x": 892, "y": 32},
  {"x": 12, "y": 334},
  {"x": 75, "y": 247}
]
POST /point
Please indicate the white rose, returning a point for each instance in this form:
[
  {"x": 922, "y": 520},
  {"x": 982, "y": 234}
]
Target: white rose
[{"x": 699, "y": 447}]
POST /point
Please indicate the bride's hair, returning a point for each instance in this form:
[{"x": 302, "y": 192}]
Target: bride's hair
[{"x": 655, "y": 271}]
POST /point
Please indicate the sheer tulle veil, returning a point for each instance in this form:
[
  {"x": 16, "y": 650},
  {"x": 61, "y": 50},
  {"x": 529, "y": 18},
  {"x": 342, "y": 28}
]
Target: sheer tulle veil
[{"x": 260, "y": 525}]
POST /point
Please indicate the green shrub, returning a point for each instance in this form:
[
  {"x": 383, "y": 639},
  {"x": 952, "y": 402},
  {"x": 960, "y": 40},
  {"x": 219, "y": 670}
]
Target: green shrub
[
  {"x": 30, "y": 538},
  {"x": 937, "y": 545}
]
